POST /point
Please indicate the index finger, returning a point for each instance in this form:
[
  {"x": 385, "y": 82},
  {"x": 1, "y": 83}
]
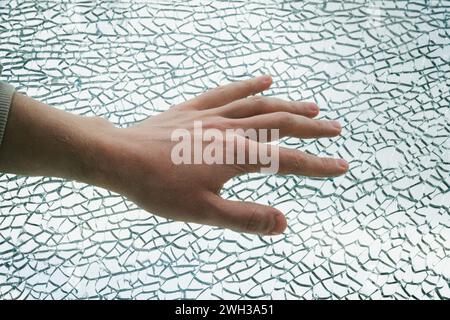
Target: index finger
[{"x": 227, "y": 93}]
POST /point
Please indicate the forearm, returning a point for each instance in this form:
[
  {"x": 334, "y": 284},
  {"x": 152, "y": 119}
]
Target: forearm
[{"x": 43, "y": 141}]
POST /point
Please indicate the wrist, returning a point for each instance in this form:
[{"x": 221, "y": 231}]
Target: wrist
[{"x": 95, "y": 158}]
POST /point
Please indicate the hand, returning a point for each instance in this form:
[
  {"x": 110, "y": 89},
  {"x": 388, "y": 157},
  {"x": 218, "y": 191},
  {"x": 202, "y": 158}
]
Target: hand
[
  {"x": 136, "y": 161},
  {"x": 142, "y": 169}
]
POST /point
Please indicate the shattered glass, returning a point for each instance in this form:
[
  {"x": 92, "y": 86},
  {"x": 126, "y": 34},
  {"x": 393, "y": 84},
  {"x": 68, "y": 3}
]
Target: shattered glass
[{"x": 379, "y": 67}]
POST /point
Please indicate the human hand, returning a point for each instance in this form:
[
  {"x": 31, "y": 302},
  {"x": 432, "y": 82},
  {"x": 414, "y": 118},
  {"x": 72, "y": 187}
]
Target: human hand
[{"x": 137, "y": 160}]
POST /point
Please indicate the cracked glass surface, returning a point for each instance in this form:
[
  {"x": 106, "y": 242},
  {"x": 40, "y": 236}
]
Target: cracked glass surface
[{"x": 380, "y": 67}]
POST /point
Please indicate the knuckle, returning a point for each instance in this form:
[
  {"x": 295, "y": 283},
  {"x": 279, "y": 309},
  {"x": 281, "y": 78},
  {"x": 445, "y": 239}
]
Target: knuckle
[
  {"x": 217, "y": 123},
  {"x": 298, "y": 161},
  {"x": 292, "y": 105},
  {"x": 223, "y": 123},
  {"x": 258, "y": 100},
  {"x": 208, "y": 123},
  {"x": 320, "y": 127},
  {"x": 252, "y": 222},
  {"x": 285, "y": 119},
  {"x": 323, "y": 164},
  {"x": 269, "y": 105},
  {"x": 260, "y": 221},
  {"x": 249, "y": 86}
]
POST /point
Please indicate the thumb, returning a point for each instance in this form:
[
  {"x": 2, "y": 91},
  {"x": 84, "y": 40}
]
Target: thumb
[{"x": 245, "y": 216}]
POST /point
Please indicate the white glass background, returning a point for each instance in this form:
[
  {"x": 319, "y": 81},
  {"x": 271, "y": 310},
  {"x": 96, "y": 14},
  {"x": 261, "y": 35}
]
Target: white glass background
[{"x": 379, "y": 67}]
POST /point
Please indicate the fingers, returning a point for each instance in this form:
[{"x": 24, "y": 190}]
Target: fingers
[
  {"x": 245, "y": 216},
  {"x": 292, "y": 125},
  {"x": 262, "y": 105},
  {"x": 225, "y": 94},
  {"x": 253, "y": 156},
  {"x": 292, "y": 161}
]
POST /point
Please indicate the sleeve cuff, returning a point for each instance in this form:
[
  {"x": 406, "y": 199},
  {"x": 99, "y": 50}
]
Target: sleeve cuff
[{"x": 6, "y": 93}]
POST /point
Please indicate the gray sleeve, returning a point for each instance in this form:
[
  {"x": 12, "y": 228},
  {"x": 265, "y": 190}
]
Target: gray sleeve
[{"x": 6, "y": 93}]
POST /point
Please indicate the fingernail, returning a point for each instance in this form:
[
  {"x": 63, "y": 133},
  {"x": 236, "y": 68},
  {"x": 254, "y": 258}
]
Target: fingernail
[
  {"x": 278, "y": 224},
  {"x": 266, "y": 79},
  {"x": 313, "y": 107},
  {"x": 342, "y": 164},
  {"x": 336, "y": 125}
]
